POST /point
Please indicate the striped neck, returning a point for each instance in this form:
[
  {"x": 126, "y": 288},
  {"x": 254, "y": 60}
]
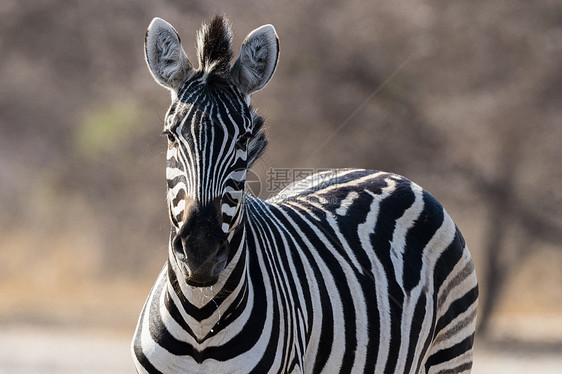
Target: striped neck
[{"x": 206, "y": 310}]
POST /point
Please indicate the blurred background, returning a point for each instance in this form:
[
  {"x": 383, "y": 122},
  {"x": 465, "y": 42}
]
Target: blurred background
[{"x": 464, "y": 98}]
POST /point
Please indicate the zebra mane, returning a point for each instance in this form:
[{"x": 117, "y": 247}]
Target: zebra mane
[
  {"x": 258, "y": 141},
  {"x": 213, "y": 45}
]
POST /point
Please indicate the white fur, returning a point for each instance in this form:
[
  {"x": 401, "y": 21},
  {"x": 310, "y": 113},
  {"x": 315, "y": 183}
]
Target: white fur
[
  {"x": 257, "y": 60},
  {"x": 164, "y": 54}
]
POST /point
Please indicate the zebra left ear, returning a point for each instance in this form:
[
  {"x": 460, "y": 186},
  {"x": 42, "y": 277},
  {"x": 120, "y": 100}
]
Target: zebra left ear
[
  {"x": 257, "y": 61},
  {"x": 164, "y": 54}
]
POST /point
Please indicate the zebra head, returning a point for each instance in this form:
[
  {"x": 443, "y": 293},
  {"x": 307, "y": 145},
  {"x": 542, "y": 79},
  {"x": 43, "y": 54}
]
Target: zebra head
[{"x": 213, "y": 134}]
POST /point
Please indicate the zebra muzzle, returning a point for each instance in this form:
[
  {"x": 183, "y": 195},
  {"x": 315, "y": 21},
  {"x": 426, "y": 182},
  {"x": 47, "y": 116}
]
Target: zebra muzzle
[{"x": 200, "y": 246}]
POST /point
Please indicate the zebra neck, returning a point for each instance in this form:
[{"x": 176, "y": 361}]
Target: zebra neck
[{"x": 203, "y": 308}]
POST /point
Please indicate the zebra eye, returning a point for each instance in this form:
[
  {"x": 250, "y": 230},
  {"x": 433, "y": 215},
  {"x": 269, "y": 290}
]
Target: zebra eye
[
  {"x": 243, "y": 140},
  {"x": 170, "y": 136}
]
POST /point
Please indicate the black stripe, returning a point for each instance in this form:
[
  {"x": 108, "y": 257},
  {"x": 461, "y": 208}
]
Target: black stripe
[
  {"x": 447, "y": 354},
  {"x": 457, "y": 307},
  {"x": 161, "y": 335},
  {"x": 392, "y": 208},
  {"x": 299, "y": 266},
  {"x": 175, "y": 181},
  {"x": 416, "y": 327},
  {"x": 326, "y": 330},
  {"x": 337, "y": 272},
  {"x": 417, "y": 238},
  {"x": 447, "y": 261},
  {"x": 137, "y": 344}
]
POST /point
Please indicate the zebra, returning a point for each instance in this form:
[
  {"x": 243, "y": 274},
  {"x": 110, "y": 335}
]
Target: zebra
[{"x": 346, "y": 271}]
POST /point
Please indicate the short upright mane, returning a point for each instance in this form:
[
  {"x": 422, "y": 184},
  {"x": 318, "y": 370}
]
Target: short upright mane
[
  {"x": 214, "y": 51},
  {"x": 258, "y": 141}
]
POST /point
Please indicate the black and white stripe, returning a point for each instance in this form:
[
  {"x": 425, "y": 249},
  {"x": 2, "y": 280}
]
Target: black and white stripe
[
  {"x": 347, "y": 271},
  {"x": 208, "y": 154}
]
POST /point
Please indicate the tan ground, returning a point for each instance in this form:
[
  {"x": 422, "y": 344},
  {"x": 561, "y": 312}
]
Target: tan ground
[
  {"x": 60, "y": 326},
  {"x": 25, "y": 350}
]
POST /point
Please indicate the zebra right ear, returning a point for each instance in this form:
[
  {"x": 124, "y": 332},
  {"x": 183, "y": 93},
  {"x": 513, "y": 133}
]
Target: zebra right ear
[
  {"x": 257, "y": 61},
  {"x": 164, "y": 54}
]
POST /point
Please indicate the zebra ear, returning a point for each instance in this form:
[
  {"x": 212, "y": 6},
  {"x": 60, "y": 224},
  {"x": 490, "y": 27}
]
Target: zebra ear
[
  {"x": 164, "y": 54},
  {"x": 257, "y": 61}
]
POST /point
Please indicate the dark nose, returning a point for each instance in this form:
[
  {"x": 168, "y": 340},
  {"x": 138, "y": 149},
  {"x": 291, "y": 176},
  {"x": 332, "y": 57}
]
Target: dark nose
[{"x": 200, "y": 245}]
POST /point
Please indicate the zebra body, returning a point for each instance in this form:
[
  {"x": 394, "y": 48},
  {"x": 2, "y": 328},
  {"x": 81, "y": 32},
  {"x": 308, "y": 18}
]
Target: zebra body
[{"x": 347, "y": 271}]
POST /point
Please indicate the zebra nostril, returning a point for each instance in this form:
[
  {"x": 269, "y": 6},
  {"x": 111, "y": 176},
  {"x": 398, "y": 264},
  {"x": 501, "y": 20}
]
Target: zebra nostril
[
  {"x": 177, "y": 245},
  {"x": 222, "y": 252}
]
